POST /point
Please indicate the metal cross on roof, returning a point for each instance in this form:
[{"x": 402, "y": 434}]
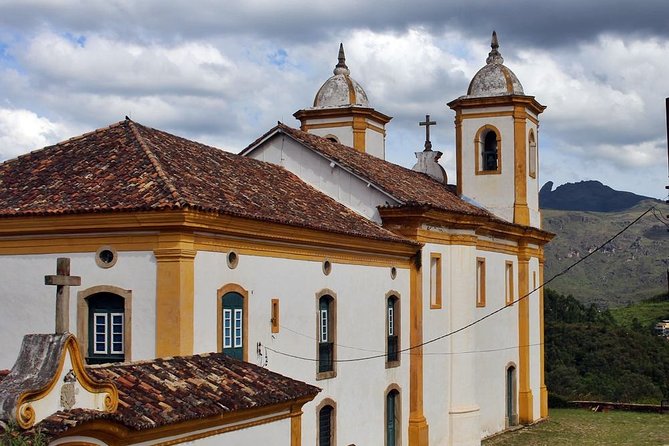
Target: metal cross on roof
[
  {"x": 427, "y": 123},
  {"x": 63, "y": 281}
]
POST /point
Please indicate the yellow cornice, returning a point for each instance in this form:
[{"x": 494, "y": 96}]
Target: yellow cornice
[
  {"x": 408, "y": 221},
  {"x": 494, "y": 101},
  {"x": 338, "y": 112},
  {"x": 140, "y": 231},
  {"x": 114, "y": 433}
]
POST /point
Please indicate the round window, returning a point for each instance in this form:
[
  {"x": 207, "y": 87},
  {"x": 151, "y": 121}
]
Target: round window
[{"x": 106, "y": 257}]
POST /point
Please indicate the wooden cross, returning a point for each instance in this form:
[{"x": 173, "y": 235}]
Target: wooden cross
[
  {"x": 63, "y": 282},
  {"x": 427, "y": 123}
]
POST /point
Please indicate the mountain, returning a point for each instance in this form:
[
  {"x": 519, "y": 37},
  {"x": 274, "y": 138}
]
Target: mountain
[
  {"x": 631, "y": 268},
  {"x": 587, "y": 196}
]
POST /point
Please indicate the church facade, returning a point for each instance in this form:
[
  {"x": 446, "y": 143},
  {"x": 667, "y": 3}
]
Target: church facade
[{"x": 412, "y": 304}]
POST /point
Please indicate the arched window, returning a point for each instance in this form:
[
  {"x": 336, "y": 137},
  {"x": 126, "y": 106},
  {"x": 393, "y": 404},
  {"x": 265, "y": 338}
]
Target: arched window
[
  {"x": 233, "y": 325},
  {"x": 510, "y": 410},
  {"x": 533, "y": 154},
  {"x": 106, "y": 328},
  {"x": 326, "y": 425},
  {"x": 392, "y": 330},
  {"x": 393, "y": 430},
  {"x": 489, "y": 152},
  {"x": 326, "y": 335}
]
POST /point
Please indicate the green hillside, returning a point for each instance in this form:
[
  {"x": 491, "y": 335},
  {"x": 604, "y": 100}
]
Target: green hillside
[
  {"x": 591, "y": 357},
  {"x": 631, "y": 268},
  {"x": 645, "y": 313}
]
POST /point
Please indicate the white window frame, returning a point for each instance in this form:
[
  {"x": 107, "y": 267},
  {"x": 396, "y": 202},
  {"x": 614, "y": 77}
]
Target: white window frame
[
  {"x": 227, "y": 328},
  {"x": 238, "y": 331},
  {"x": 111, "y": 333},
  {"x": 324, "y": 326},
  {"x": 391, "y": 318},
  {"x": 104, "y": 332}
]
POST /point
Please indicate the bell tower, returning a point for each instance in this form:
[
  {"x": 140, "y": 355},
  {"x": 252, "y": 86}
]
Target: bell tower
[
  {"x": 496, "y": 136},
  {"x": 341, "y": 112}
]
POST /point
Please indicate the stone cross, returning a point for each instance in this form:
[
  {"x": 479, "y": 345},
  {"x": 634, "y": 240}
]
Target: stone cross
[
  {"x": 427, "y": 123},
  {"x": 63, "y": 282}
]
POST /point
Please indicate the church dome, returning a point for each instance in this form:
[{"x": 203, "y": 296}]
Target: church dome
[
  {"x": 494, "y": 79},
  {"x": 341, "y": 90}
]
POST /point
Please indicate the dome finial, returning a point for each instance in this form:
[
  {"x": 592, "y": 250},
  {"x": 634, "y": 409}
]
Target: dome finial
[
  {"x": 494, "y": 56},
  {"x": 341, "y": 67}
]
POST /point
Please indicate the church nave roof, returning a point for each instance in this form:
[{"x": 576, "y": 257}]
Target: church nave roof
[{"x": 131, "y": 167}]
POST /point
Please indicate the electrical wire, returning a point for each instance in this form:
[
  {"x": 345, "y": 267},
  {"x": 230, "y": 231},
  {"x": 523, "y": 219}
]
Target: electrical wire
[{"x": 481, "y": 319}]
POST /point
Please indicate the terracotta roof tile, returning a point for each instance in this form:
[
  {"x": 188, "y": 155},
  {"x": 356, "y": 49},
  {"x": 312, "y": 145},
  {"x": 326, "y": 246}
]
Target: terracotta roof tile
[
  {"x": 171, "y": 390},
  {"x": 130, "y": 167},
  {"x": 410, "y": 188}
]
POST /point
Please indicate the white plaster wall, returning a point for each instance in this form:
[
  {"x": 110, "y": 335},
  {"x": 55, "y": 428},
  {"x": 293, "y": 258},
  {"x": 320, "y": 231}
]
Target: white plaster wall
[
  {"x": 375, "y": 142},
  {"x": 29, "y": 306},
  {"x": 450, "y": 398},
  {"x": 533, "y": 183},
  {"x": 359, "y": 387},
  {"x": 316, "y": 171},
  {"x": 343, "y": 134},
  {"x": 496, "y": 192},
  {"x": 497, "y": 342}
]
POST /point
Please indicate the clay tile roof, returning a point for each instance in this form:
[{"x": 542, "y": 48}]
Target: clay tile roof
[
  {"x": 410, "y": 188},
  {"x": 130, "y": 167},
  {"x": 172, "y": 390}
]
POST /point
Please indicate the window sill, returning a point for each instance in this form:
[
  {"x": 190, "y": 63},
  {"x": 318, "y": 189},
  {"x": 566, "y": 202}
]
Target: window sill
[
  {"x": 392, "y": 364},
  {"x": 326, "y": 375}
]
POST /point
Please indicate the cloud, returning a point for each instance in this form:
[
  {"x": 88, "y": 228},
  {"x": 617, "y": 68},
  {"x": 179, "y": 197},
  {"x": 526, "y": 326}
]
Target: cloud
[{"x": 23, "y": 129}]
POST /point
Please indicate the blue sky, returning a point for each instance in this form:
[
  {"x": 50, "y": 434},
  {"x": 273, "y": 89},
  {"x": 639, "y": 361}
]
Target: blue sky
[{"x": 224, "y": 72}]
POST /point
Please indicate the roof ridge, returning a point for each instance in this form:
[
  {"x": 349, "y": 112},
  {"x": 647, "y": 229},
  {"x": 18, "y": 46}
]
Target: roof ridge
[{"x": 156, "y": 164}]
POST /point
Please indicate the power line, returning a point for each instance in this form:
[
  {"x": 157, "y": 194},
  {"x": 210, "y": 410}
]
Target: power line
[{"x": 481, "y": 319}]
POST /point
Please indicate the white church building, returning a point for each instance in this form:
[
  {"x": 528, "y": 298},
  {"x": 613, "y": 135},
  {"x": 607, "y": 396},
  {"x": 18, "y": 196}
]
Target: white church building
[{"x": 413, "y": 305}]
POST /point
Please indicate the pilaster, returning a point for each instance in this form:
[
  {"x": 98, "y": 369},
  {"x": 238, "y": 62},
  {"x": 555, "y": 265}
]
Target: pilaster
[
  {"x": 543, "y": 390},
  {"x": 525, "y": 397},
  {"x": 521, "y": 213},
  {"x": 418, "y": 428},
  {"x": 175, "y": 294}
]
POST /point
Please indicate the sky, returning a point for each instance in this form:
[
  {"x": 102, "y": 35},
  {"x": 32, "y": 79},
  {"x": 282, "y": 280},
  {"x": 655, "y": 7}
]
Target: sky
[{"x": 224, "y": 72}]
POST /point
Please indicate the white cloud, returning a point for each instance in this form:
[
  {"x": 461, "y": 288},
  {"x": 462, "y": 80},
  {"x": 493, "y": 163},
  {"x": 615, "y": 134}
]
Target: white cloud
[{"x": 23, "y": 130}]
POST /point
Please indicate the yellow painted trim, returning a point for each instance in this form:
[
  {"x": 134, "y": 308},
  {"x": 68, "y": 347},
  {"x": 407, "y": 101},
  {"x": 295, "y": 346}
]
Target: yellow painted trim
[
  {"x": 435, "y": 281},
  {"x": 529, "y": 102},
  {"x": 25, "y": 414},
  {"x": 111, "y": 228},
  {"x": 480, "y": 282},
  {"x": 359, "y": 133},
  {"x": 458, "y": 150},
  {"x": 274, "y": 315},
  {"x": 406, "y": 221},
  {"x": 296, "y": 425},
  {"x": 115, "y": 434},
  {"x": 305, "y": 115},
  {"x": 533, "y": 154},
  {"x": 418, "y": 427},
  {"x": 521, "y": 212},
  {"x": 543, "y": 392},
  {"x": 509, "y": 283},
  {"x": 82, "y": 317},
  {"x": 326, "y": 125},
  {"x": 220, "y": 293},
  {"x": 497, "y": 114},
  {"x": 175, "y": 294},
  {"x": 215, "y": 243},
  {"x": 525, "y": 398},
  {"x": 478, "y": 150}
]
